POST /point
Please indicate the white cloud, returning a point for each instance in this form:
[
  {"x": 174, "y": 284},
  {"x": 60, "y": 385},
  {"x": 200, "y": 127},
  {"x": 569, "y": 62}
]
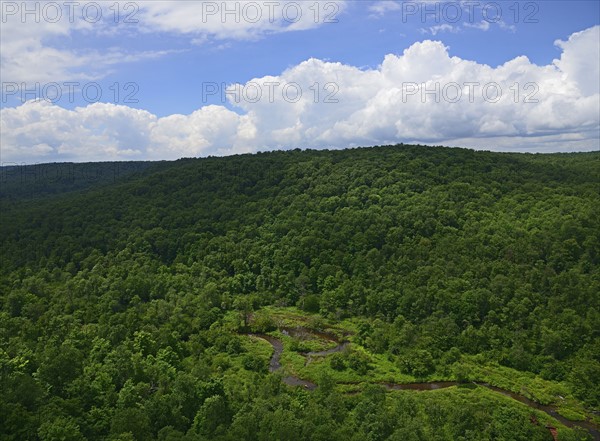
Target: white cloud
[
  {"x": 444, "y": 15},
  {"x": 579, "y": 60},
  {"x": 437, "y": 29},
  {"x": 241, "y": 20},
  {"x": 380, "y": 8},
  {"x": 33, "y": 48},
  {"x": 483, "y": 25},
  {"x": 209, "y": 130},
  {"x": 388, "y": 104},
  {"x": 95, "y": 132},
  {"x": 41, "y": 132}
]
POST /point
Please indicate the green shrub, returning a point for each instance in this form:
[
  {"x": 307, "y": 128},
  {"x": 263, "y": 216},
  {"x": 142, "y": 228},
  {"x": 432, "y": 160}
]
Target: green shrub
[{"x": 337, "y": 362}]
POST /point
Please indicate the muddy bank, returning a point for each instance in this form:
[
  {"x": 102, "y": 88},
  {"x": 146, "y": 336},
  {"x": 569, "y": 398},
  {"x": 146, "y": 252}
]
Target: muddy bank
[
  {"x": 550, "y": 410},
  {"x": 275, "y": 365}
]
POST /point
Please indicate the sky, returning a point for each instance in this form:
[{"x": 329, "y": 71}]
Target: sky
[{"x": 161, "y": 80}]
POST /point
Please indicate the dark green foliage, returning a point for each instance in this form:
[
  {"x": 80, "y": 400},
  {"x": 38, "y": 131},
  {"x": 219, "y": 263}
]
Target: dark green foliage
[
  {"x": 338, "y": 361},
  {"x": 262, "y": 323},
  {"x": 358, "y": 361},
  {"x": 310, "y": 303},
  {"x": 418, "y": 363},
  {"x": 115, "y": 295},
  {"x": 253, "y": 363}
]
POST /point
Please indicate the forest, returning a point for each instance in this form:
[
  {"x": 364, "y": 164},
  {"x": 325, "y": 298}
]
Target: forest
[{"x": 297, "y": 295}]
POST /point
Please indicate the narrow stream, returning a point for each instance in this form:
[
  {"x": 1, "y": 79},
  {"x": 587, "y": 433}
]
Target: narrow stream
[
  {"x": 550, "y": 410},
  {"x": 275, "y": 365}
]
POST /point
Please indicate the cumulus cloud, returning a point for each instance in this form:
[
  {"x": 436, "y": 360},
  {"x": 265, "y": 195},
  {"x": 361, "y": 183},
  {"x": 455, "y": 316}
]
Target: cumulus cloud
[
  {"x": 40, "y": 131},
  {"x": 209, "y": 130},
  {"x": 424, "y": 95},
  {"x": 579, "y": 60}
]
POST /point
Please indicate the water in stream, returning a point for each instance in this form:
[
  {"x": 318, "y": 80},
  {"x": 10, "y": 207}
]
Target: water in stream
[{"x": 275, "y": 365}]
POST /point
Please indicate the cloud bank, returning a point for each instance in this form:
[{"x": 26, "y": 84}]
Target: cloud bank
[{"x": 423, "y": 95}]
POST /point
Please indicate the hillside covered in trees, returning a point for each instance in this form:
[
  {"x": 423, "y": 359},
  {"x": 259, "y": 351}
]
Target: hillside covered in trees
[{"x": 126, "y": 303}]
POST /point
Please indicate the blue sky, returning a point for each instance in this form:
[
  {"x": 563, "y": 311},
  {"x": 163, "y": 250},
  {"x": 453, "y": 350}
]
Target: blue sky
[
  {"x": 357, "y": 40},
  {"x": 174, "y": 52}
]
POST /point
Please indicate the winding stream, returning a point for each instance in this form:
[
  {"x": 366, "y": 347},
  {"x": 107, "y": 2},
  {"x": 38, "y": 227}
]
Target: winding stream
[{"x": 275, "y": 365}]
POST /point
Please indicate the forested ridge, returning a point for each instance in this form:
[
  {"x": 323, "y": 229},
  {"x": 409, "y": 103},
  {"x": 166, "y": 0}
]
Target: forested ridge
[{"x": 126, "y": 305}]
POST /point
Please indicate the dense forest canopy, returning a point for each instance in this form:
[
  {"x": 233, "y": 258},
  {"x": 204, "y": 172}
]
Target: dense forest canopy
[{"x": 122, "y": 296}]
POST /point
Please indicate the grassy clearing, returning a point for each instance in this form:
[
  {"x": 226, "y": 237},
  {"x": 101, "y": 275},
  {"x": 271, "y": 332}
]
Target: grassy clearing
[
  {"x": 530, "y": 386},
  {"x": 259, "y": 347},
  {"x": 382, "y": 368},
  {"x": 291, "y": 317},
  {"x": 488, "y": 400},
  {"x": 304, "y": 342}
]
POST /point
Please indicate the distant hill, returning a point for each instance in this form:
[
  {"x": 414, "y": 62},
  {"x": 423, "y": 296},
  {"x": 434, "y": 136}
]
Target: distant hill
[
  {"x": 453, "y": 263},
  {"x": 34, "y": 181}
]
